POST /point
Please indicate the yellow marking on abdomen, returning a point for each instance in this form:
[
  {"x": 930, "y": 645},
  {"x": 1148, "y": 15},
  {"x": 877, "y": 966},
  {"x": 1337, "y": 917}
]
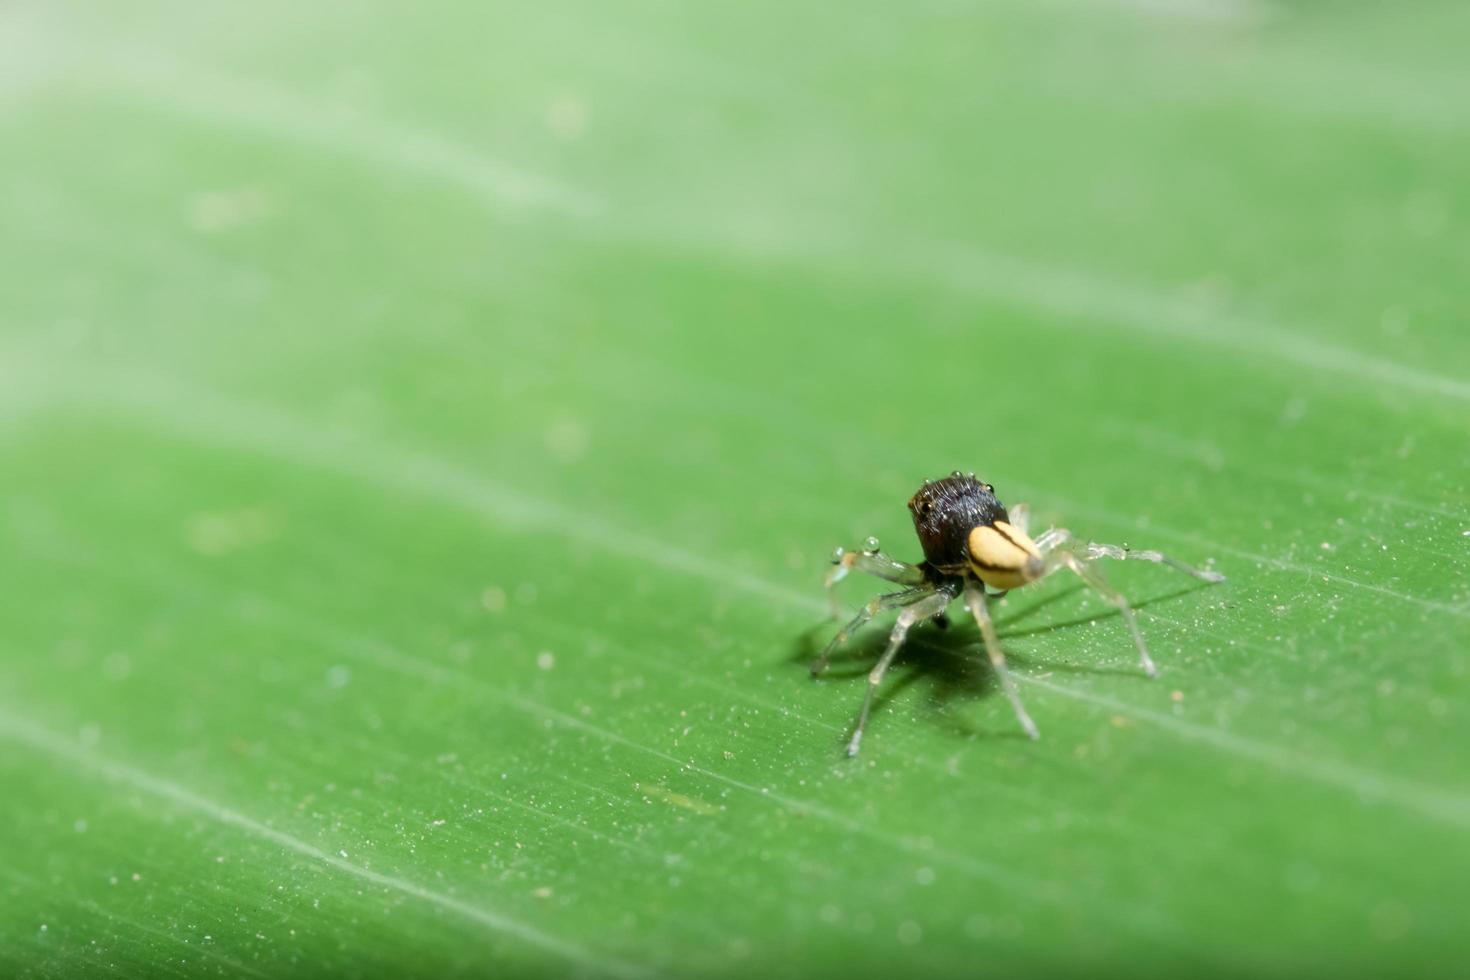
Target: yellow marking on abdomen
[{"x": 1003, "y": 557}]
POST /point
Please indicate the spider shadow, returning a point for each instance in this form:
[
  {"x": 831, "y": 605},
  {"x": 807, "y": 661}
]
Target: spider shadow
[{"x": 953, "y": 658}]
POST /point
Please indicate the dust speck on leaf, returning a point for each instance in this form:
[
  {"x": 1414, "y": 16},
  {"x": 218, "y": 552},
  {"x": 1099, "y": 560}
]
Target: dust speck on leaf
[
  {"x": 567, "y": 116},
  {"x": 216, "y": 534},
  {"x": 680, "y": 800},
  {"x": 214, "y": 211},
  {"x": 567, "y": 440}
]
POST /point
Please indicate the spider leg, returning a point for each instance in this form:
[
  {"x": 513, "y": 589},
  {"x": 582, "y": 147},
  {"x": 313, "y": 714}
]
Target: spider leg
[
  {"x": 1092, "y": 575},
  {"x": 1056, "y": 548},
  {"x": 1051, "y": 539},
  {"x": 1059, "y": 537},
  {"x": 927, "y": 607},
  {"x": 873, "y": 562},
  {"x": 978, "y": 604},
  {"x": 889, "y": 600},
  {"x": 1094, "y": 550},
  {"x": 1020, "y": 515}
]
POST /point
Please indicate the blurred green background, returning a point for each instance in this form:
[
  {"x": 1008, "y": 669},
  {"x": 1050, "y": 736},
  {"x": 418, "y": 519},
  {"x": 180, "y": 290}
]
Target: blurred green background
[{"x": 424, "y": 428}]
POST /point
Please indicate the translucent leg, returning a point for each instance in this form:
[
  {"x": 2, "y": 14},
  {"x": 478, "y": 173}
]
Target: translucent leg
[
  {"x": 1057, "y": 548},
  {"x": 1089, "y": 573},
  {"x": 933, "y": 605},
  {"x": 1053, "y": 538},
  {"x": 1094, "y": 550},
  {"x": 1058, "y": 538},
  {"x": 1020, "y": 516},
  {"x": 977, "y": 603},
  {"x": 873, "y": 562},
  {"x": 873, "y": 607}
]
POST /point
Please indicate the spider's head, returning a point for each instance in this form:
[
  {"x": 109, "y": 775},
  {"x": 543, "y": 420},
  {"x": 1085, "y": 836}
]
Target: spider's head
[
  {"x": 945, "y": 511},
  {"x": 964, "y": 528}
]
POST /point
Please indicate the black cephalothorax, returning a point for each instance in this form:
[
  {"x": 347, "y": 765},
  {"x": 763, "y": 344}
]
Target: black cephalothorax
[{"x": 946, "y": 511}]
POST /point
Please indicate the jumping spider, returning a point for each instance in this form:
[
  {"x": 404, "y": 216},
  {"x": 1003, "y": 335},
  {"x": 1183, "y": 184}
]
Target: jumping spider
[{"x": 975, "y": 549}]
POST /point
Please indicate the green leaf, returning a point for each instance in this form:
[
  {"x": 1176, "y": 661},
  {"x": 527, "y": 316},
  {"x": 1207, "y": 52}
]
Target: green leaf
[{"x": 424, "y": 436}]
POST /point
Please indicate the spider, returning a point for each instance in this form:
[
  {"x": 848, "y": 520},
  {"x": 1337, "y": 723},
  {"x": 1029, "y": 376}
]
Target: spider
[{"x": 975, "y": 549}]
